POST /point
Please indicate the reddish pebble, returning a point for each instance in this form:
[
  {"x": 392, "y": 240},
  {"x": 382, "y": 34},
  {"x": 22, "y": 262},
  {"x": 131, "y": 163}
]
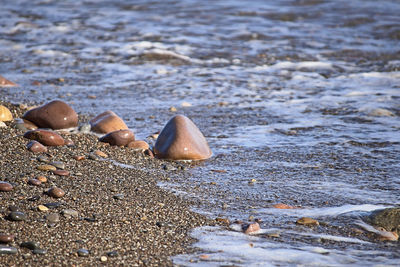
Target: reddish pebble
[
  {"x": 35, "y": 182},
  {"x": 149, "y": 153},
  {"x": 69, "y": 142},
  {"x": 4, "y": 238},
  {"x": 36, "y": 147},
  {"x": 61, "y": 172},
  {"x": 283, "y": 206},
  {"x": 118, "y": 138},
  {"x": 250, "y": 228},
  {"x": 56, "y": 192},
  {"x": 79, "y": 157},
  {"x": 48, "y": 138},
  {"x": 5, "y": 187},
  {"x": 42, "y": 179}
]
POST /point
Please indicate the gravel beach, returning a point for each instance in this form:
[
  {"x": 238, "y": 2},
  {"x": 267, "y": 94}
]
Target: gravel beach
[{"x": 112, "y": 214}]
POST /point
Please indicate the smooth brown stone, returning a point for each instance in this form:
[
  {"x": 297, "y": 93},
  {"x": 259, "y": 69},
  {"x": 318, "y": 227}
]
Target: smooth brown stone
[
  {"x": 138, "y": 145},
  {"x": 107, "y": 122},
  {"x": 149, "y": 153},
  {"x": 55, "y": 115},
  {"x": 5, "y": 114},
  {"x": 48, "y": 138},
  {"x": 69, "y": 142},
  {"x": 35, "y": 182},
  {"x": 42, "y": 179},
  {"x": 4, "y": 238},
  {"x": 61, "y": 172},
  {"x": 46, "y": 167},
  {"x": 29, "y": 125},
  {"x": 283, "y": 206},
  {"x": 307, "y": 221},
  {"x": 36, "y": 147},
  {"x": 250, "y": 228},
  {"x": 6, "y": 83},
  {"x": 181, "y": 140},
  {"x": 5, "y": 187},
  {"x": 100, "y": 154},
  {"x": 118, "y": 138},
  {"x": 56, "y": 192},
  {"x": 79, "y": 157}
]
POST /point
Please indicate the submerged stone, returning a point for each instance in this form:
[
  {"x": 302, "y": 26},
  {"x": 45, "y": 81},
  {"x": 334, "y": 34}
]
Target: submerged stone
[
  {"x": 181, "y": 140},
  {"x": 55, "y": 115},
  {"x": 389, "y": 219},
  {"x": 6, "y": 83},
  {"x": 107, "y": 122}
]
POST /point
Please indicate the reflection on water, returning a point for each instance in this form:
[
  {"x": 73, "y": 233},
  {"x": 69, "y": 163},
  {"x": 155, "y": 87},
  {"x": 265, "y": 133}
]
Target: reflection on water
[{"x": 299, "y": 101}]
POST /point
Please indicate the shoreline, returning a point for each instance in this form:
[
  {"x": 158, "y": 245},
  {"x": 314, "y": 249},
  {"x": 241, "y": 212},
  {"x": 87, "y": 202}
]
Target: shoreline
[{"x": 123, "y": 216}]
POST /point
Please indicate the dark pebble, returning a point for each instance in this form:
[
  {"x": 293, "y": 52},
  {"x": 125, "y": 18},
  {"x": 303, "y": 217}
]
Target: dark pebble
[
  {"x": 113, "y": 253},
  {"x": 34, "y": 198},
  {"x": 32, "y": 245},
  {"x": 35, "y": 182},
  {"x": 119, "y": 196},
  {"x": 5, "y": 250},
  {"x": 39, "y": 251},
  {"x": 4, "y": 238},
  {"x": 83, "y": 252},
  {"x": 17, "y": 216},
  {"x": 52, "y": 205},
  {"x": 5, "y": 187}
]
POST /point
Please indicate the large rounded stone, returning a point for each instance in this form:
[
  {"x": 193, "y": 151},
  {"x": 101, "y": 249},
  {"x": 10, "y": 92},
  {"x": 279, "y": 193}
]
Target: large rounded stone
[
  {"x": 5, "y": 114},
  {"x": 107, "y": 122},
  {"x": 389, "y": 219},
  {"x": 6, "y": 83},
  {"x": 5, "y": 187},
  {"x": 118, "y": 138},
  {"x": 181, "y": 140},
  {"x": 55, "y": 115},
  {"x": 36, "y": 147},
  {"x": 48, "y": 138}
]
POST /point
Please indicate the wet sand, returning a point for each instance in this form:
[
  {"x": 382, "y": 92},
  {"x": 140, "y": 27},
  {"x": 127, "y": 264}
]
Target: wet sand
[{"x": 124, "y": 218}]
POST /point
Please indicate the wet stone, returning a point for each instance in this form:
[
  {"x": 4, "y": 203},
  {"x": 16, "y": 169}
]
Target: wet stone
[
  {"x": 4, "y": 238},
  {"x": 5, "y": 187},
  {"x": 307, "y": 221},
  {"x": 36, "y": 147},
  {"x": 17, "y": 216},
  {"x": 43, "y": 158},
  {"x": 30, "y": 245},
  {"x": 5, "y": 250},
  {"x": 45, "y": 137},
  {"x": 83, "y": 252}
]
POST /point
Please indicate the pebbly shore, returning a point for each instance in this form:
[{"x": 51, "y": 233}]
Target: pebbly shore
[{"x": 110, "y": 212}]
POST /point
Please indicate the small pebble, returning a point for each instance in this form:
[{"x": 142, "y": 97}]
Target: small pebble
[
  {"x": 4, "y": 238},
  {"x": 30, "y": 245},
  {"x": 42, "y": 179},
  {"x": 43, "y": 208},
  {"x": 53, "y": 218},
  {"x": 35, "y": 182},
  {"x": 79, "y": 158},
  {"x": 61, "y": 172},
  {"x": 39, "y": 251},
  {"x": 46, "y": 167},
  {"x": 83, "y": 252},
  {"x": 5, "y": 187},
  {"x": 103, "y": 258},
  {"x": 13, "y": 208},
  {"x": 100, "y": 154},
  {"x": 5, "y": 250},
  {"x": 34, "y": 198},
  {"x": 17, "y": 216},
  {"x": 113, "y": 253},
  {"x": 43, "y": 158},
  {"x": 56, "y": 192},
  {"x": 2, "y": 124},
  {"x": 52, "y": 205},
  {"x": 68, "y": 213},
  {"x": 119, "y": 196},
  {"x": 36, "y": 147},
  {"x": 85, "y": 128},
  {"x": 69, "y": 143},
  {"x": 58, "y": 164}
]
